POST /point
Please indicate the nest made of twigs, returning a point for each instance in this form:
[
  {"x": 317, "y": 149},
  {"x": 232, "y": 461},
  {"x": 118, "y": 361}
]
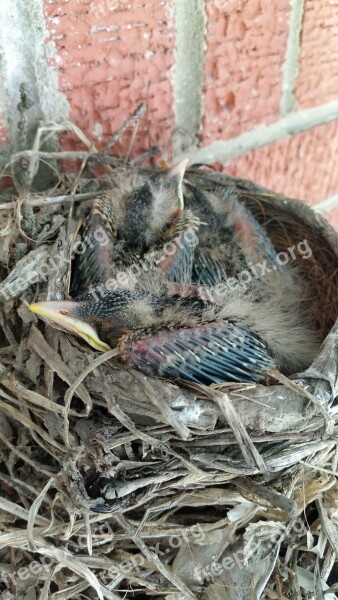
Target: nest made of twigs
[{"x": 115, "y": 484}]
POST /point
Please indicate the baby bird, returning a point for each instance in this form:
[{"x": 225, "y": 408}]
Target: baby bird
[
  {"x": 232, "y": 241},
  {"x": 232, "y": 339},
  {"x": 190, "y": 321},
  {"x": 120, "y": 230}
]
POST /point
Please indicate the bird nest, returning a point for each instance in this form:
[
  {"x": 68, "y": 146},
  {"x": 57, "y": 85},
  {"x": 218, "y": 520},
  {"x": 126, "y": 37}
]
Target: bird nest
[{"x": 117, "y": 484}]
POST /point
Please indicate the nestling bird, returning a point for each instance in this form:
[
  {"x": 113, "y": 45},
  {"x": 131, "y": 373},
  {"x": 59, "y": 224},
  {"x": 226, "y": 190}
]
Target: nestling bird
[
  {"x": 130, "y": 225},
  {"x": 233, "y": 339},
  {"x": 232, "y": 240},
  {"x": 193, "y": 332}
]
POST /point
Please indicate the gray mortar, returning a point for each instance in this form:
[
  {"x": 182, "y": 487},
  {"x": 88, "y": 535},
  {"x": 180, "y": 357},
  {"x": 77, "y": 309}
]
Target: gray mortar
[
  {"x": 327, "y": 204},
  {"x": 291, "y": 64},
  {"x": 190, "y": 24},
  {"x": 224, "y": 150},
  {"x": 29, "y": 88}
]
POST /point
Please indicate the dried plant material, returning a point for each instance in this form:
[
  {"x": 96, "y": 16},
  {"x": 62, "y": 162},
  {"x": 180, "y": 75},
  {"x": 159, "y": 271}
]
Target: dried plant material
[
  {"x": 53, "y": 360},
  {"x": 116, "y": 484},
  {"x": 26, "y": 272}
]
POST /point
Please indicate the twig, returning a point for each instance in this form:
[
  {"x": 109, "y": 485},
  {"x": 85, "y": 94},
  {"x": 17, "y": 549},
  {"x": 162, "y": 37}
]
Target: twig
[
  {"x": 153, "y": 558},
  {"x": 135, "y": 116},
  {"x": 36, "y": 466},
  {"x": 50, "y": 200}
]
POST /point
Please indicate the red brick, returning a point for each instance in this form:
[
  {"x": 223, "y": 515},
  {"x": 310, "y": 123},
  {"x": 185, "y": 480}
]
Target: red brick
[
  {"x": 59, "y": 7},
  {"x": 5, "y": 182},
  {"x": 111, "y": 60},
  {"x": 244, "y": 58},
  {"x": 318, "y": 76},
  {"x": 302, "y": 167},
  {"x": 3, "y": 133},
  {"x": 332, "y": 217},
  {"x": 72, "y": 78},
  {"x": 113, "y": 54}
]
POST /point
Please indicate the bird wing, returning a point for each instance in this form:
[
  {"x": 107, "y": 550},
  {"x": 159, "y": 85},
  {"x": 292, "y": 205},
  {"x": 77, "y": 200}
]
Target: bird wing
[
  {"x": 208, "y": 269},
  {"x": 93, "y": 257},
  {"x": 175, "y": 255},
  {"x": 214, "y": 352}
]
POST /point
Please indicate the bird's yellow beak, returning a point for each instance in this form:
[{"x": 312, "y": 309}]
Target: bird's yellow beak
[
  {"x": 177, "y": 172},
  {"x": 59, "y": 314}
]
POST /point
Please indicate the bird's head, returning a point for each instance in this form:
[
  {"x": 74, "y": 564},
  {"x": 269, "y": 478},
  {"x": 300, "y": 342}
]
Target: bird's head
[
  {"x": 171, "y": 185},
  {"x": 101, "y": 317},
  {"x": 152, "y": 207},
  {"x": 68, "y": 316}
]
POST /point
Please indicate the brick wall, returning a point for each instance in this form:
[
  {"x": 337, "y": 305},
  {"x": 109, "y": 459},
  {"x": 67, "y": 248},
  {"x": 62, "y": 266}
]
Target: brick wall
[{"x": 253, "y": 82}]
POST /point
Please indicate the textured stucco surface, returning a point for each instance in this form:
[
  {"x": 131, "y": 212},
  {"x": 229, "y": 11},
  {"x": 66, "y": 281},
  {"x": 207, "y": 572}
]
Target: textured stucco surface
[
  {"x": 28, "y": 85},
  {"x": 318, "y": 75},
  {"x": 245, "y": 54},
  {"x": 110, "y": 56}
]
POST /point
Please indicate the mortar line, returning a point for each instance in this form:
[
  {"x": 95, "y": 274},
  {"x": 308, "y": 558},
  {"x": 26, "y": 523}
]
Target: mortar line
[
  {"x": 291, "y": 63},
  {"x": 190, "y": 26},
  {"x": 263, "y": 135},
  {"x": 327, "y": 204}
]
